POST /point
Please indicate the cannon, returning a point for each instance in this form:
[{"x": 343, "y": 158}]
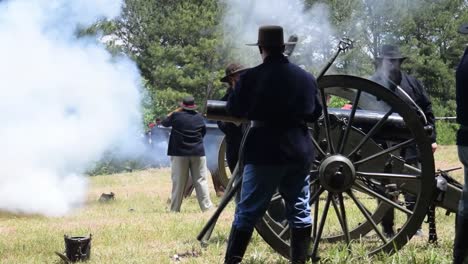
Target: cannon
[{"x": 359, "y": 171}]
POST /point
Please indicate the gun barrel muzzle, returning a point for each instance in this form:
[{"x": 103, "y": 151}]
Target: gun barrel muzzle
[{"x": 216, "y": 110}]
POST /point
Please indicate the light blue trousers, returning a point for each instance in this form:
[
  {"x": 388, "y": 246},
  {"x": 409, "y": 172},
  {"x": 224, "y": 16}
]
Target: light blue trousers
[{"x": 260, "y": 182}]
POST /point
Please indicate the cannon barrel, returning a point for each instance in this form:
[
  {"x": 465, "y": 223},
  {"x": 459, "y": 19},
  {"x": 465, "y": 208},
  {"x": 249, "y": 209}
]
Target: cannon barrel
[
  {"x": 216, "y": 110},
  {"x": 393, "y": 128},
  {"x": 379, "y": 165}
]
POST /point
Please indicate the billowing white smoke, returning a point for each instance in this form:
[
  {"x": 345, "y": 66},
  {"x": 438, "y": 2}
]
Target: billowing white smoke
[
  {"x": 310, "y": 24},
  {"x": 64, "y": 101}
]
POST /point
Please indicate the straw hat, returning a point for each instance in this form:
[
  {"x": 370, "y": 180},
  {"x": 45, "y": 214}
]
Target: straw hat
[{"x": 232, "y": 69}]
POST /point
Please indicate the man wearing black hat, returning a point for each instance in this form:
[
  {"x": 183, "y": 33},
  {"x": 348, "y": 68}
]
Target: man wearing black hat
[
  {"x": 232, "y": 131},
  {"x": 389, "y": 74},
  {"x": 460, "y": 247},
  {"x": 277, "y": 155},
  {"x": 187, "y": 153}
]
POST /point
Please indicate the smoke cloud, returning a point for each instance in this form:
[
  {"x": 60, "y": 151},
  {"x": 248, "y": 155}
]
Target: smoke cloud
[
  {"x": 310, "y": 23},
  {"x": 64, "y": 101}
]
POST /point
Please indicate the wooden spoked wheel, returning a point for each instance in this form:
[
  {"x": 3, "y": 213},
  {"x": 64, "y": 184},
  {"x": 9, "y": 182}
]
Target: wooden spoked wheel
[{"x": 361, "y": 172}]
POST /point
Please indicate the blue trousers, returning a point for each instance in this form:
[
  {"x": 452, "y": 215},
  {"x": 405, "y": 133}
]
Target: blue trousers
[
  {"x": 463, "y": 205},
  {"x": 260, "y": 182}
]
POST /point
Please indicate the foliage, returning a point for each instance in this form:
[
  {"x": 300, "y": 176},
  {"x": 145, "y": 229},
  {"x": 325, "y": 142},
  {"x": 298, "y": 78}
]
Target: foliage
[
  {"x": 110, "y": 166},
  {"x": 111, "y": 163},
  {"x": 446, "y": 132},
  {"x": 426, "y": 32},
  {"x": 337, "y": 102},
  {"x": 167, "y": 100},
  {"x": 446, "y": 129},
  {"x": 180, "y": 47},
  {"x": 429, "y": 35},
  {"x": 176, "y": 44}
]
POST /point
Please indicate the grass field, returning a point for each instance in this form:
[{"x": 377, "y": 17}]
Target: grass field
[{"x": 136, "y": 228}]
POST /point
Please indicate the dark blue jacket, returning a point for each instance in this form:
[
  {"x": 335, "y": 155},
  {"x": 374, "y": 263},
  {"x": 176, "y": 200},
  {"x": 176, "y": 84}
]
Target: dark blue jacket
[
  {"x": 232, "y": 131},
  {"x": 234, "y": 134},
  {"x": 462, "y": 99},
  {"x": 188, "y": 130},
  {"x": 416, "y": 91},
  {"x": 283, "y": 96}
]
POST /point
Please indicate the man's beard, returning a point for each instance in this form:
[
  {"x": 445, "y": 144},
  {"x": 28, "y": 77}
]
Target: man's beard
[{"x": 394, "y": 75}]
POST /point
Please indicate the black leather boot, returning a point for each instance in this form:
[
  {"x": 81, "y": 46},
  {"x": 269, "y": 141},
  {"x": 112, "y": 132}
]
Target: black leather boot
[
  {"x": 300, "y": 242},
  {"x": 460, "y": 246},
  {"x": 237, "y": 244}
]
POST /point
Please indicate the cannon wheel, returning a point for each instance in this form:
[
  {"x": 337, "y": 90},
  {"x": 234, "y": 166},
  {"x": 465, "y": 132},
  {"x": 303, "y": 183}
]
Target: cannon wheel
[
  {"x": 223, "y": 170},
  {"x": 222, "y": 174},
  {"x": 218, "y": 169},
  {"x": 353, "y": 196}
]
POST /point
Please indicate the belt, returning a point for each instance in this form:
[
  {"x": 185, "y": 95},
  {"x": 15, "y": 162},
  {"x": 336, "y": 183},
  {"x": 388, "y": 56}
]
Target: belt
[{"x": 256, "y": 124}]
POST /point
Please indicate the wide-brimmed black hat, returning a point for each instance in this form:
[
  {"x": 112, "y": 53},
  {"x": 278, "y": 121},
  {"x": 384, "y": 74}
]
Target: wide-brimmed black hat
[
  {"x": 391, "y": 52},
  {"x": 463, "y": 29},
  {"x": 232, "y": 69},
  {"x": 188, "y": 103},
  {"x": 270, "y": 36}
]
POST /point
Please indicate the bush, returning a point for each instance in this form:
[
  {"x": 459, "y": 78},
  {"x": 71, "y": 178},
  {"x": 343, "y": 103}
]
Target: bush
[
  {"x": 161, "y": 103},
  {"x": 110, "y": 165},
  {"x": 446, "y": 132},
  {"x": 337, "y": 102}
]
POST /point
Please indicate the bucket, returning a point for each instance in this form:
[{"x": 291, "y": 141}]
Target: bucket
[{"x": 77, "y": 248}]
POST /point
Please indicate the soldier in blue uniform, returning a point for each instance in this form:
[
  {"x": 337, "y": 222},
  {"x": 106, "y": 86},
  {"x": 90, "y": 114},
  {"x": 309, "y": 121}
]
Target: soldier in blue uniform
[
  {"x": 233, "y": 132},
  {"x": 277, "y": 155},
  {"x": 460, "y": 247}
]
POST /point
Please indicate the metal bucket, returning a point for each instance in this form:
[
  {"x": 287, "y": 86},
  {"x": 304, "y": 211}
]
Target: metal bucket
[{"x": 77, "y": 248}]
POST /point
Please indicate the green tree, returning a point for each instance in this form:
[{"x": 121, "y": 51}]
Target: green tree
[
  {"x": 180, "y": 48},
  {"x": 430, "y": 36},
  {"x": 176, "y": 45}
]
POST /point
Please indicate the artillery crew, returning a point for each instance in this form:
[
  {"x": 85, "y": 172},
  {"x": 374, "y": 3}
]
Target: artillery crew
[
  {"x": 460, "y": 247},
  {"x": 232, "y": 131},
  {"x": 389, "y": 75},
  {"x": 277, "y": 155},
  {"x": 187, "y": 153}
]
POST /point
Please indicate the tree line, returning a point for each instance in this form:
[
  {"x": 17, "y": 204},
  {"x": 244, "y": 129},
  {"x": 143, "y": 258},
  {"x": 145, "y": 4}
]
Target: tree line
[{"x": 180, "y": 47}]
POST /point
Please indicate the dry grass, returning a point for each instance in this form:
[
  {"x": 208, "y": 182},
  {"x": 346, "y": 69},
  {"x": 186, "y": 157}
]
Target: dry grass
[
  {"x": 446, "y": 157},
  {"x": 136, "y": 228}
]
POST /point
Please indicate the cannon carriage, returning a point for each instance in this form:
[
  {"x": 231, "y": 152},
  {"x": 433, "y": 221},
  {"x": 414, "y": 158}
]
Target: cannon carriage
[{"x": 359, "y": 172}]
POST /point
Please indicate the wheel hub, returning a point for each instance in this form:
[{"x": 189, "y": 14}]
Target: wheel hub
[{"x": 337, "y": 173}]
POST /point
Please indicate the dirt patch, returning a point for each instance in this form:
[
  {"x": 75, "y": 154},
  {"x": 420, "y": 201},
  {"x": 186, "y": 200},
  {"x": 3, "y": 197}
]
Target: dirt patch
[{"x": 4, "y": 230}]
